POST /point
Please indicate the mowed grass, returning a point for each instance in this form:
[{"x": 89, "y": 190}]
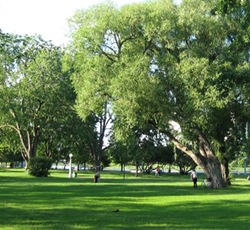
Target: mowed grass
[{"x": 146, "y": 202}]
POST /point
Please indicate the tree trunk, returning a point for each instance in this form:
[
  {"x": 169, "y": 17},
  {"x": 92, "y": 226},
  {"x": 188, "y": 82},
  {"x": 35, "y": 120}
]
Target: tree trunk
[
  {"x": 212, "y": 170},
  {"x": 137, "y": 169},
  {"x": 225, "y": 172},
  {"x": 97, "y": 165},
  {"x": 205, "y": 159},
  {"x": 169, "y": 168},
  {"x": 122, "y": 167},
  {"x": 210, "y": 163}
]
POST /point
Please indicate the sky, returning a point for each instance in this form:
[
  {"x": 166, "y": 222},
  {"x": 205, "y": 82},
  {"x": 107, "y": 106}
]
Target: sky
[{"x": 47, "y": 18}]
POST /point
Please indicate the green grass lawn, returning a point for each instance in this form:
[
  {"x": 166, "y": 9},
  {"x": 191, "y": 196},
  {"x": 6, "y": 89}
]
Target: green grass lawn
[{"x": 146, "y": 202}]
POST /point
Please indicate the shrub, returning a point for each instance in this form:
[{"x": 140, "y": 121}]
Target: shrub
[{"x": 39, "y": 166}]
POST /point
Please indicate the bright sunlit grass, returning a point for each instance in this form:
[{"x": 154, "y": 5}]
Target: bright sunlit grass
[{"x": 146, "y": 202}]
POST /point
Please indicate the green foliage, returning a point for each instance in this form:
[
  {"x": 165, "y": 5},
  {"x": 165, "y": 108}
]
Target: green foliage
[
  {"x": 8, "y": 155},
  {"x": 37, "y": 99},
  {"x": 155, "y": 63},
  {"x": 32, "y": 88},
  {"x": 39, "y": 166}
]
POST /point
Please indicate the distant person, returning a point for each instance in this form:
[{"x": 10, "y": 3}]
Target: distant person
[
  {"x": 149, "y": 169},
  {"x": 194, "y": 177},
  {"x": 158, "y": 171},
  {"x": 97, "y": 177}
]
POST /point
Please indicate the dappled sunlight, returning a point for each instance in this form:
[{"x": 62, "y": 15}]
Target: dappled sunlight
[{"x": 134, "y": 203}]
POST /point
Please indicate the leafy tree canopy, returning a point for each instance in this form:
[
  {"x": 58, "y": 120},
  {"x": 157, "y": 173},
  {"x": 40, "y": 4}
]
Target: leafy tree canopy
[{"x": 157, "y": 64}]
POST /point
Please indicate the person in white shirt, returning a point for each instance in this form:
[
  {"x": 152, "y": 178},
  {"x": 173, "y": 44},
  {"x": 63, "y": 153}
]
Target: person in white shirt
[{"x": 194, "y": 177}]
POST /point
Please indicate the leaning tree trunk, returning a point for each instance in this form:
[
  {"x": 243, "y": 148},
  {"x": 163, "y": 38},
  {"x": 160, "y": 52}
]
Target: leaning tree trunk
[
  {"x": 210, "y": 163},
  {"x": 206, "y": 159},
  {"x": 211, "y": 167},
  {"x": 213, "y": 171}
]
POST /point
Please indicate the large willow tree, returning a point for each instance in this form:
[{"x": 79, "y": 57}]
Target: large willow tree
[{"x": 180, "y": 69}]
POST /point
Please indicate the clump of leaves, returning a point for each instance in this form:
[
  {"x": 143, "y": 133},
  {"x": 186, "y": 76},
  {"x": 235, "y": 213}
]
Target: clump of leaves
[{"x": 39, "y": 166}]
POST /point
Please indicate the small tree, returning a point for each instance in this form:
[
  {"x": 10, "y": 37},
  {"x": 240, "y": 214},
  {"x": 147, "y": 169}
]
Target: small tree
[{"x": 39, "y": 166}]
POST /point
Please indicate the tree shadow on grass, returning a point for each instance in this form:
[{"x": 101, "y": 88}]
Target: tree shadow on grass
[
  {"x": 131, "y": 215},
  {"x": 152, "y": 203}
]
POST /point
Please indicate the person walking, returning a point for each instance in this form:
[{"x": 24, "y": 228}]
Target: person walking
[{"x": 194, "y": 177}]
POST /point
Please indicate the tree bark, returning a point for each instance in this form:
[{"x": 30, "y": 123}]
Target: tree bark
[
  {"x": 205, "y": 159},
  {"x": 225, "y": 172}
]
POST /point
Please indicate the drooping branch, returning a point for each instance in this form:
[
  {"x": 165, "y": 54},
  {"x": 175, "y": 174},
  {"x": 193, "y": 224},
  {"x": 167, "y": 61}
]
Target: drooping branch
[
  {"x": 17, "y": 130},
  {"x": 183, "y": 148}
]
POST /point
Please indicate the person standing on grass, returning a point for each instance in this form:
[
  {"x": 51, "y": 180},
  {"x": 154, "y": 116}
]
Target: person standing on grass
[
  {"x": 158, "y": 171},
  {"x": 97, "y": 177},
  {"x": 194, "y": 177}
]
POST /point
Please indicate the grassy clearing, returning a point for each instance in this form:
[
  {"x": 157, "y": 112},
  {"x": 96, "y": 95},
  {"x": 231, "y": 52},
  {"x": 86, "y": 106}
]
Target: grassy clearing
[{"x": 147, "y": 202}]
